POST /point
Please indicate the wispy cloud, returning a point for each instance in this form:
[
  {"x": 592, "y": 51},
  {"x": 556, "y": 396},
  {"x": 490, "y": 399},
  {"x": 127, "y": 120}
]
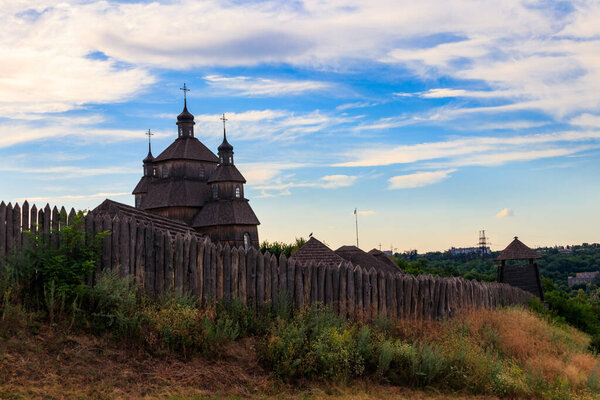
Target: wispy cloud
[
  {"x": 282, "y": 186},
  {"x": 51, "y": 199},
  {"x": 252, "y": 86},
  {"x": 69, "y": 172},
  {"x": 506, "y": 212},
  {"x": 274, "y": 125},
  {"x": 364, "y": 212},
  {"x": 496, "y": 149},
  {"x": 418, "y": 179}
]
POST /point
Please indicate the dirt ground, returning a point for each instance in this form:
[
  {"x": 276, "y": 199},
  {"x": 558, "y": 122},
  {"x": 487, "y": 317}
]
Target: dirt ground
[{"x": 50, "y": 365}]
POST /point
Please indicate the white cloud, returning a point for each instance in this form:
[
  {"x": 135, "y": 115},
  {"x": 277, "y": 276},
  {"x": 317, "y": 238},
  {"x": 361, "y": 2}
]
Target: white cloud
[
  {"x": 497, "y": 150},
  {"x": 506, "y": 212},
  {"x": 544, "y": 58},
  {"x": 52, "y": 199},
  {"x": 274, "y": 125},
  {"x": 13, "y": 133},
  {"x": 248, "y": 86},
  {"x": 281, "y": 185},
  {"x": 418, "y": 179},
  {"x": 587, "y": 120},
  {"x": 364, "y": 212},
  {"x": 261, "y": 173},
  {"x": 337, "y": 181},
  {"x": 70, "y": 171}
]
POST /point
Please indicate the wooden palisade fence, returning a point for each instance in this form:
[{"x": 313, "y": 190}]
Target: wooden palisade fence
[{"x": 160, "y": 262}]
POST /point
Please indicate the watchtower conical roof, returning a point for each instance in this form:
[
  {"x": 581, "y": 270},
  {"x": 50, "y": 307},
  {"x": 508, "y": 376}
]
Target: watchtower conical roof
[{"x": 517, "y": 250}]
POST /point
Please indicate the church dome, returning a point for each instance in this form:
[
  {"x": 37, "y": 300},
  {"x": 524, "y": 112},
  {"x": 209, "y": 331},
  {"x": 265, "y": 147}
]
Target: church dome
[
  {"x": 185, "y": 115},
  {"x": 149, "y": 158},
  {"x": 225, "y": 146}
]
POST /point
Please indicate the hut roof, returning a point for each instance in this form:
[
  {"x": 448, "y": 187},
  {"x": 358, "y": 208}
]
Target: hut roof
[
  {"x": 517, "y": 250},
  {"x": 381, "y": 256},
  {"x": 315, "y": 251},
  {"x": 358, "y": 257},
  {"x": 113, "y": 208},
  {"x": 187, "y": 148},
  {"x": 228, "y": 212}
]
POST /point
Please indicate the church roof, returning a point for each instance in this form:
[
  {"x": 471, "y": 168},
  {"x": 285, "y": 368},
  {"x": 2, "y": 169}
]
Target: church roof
[
  {"x": 516, "y": 250},
  {"x": 113, "y": 208},
  {"x": 187, "y": 148},
  {"x": 315, "y": 251},
  {"x": 226, "y": 173},
  {"x": 225, "y": 212},
  {"x": 142, "y": 186},
  {"x": 176, "y": 193},
  {"x": 358, "y": 257},
  {"x": 381, "y": 256}
]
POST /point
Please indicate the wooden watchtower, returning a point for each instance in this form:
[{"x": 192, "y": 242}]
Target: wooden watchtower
[{"x": 522, "y": 275}]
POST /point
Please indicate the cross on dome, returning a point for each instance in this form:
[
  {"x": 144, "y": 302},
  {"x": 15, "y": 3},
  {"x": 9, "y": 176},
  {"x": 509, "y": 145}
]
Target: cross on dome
[{"x": 185, "y": 90}]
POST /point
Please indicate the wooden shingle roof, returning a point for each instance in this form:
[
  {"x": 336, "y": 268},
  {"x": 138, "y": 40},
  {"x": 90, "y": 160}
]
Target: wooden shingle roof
[
  {"x": 358, "y": 257},
  {"x": 113, "y": 208},
  {"x": 226, "y": 173},
  {"x": 517, "y": 250},
  {"x": 228, "y": 212},
  {"x": 187, "y": 148},
  {"x": 176, "y": 193},
  {"x": 316, "y": 252}
]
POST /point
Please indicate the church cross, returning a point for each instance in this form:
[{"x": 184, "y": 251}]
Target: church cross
[
  {"x": 185, "y": 90},
  {"x": 224, "y": 120},
  {"x": 149, "y": 134}
]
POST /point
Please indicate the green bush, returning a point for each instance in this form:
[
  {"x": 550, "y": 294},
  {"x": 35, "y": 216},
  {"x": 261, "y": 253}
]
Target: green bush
[
  {"x": 176, "y": 326},
  {"x": 316, "y": 343},
  {"x": 112, "y": 305}
]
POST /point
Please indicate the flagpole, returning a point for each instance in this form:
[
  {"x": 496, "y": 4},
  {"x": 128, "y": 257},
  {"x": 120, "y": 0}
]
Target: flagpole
[{"x": 356, "y": 219}]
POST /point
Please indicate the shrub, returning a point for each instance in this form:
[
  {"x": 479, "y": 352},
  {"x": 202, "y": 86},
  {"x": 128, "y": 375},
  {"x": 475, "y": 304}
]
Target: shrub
[
  {"x": 175, "y": 326},
  {"x": 316, "y": 343},
  {"x": 112, "y": 305}
]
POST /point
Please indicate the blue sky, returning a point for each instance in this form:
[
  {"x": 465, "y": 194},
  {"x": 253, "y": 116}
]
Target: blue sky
[{"x": 434, "y": 120}]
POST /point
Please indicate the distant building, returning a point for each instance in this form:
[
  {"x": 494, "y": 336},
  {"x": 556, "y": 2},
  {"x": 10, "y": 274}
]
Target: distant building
[
  {"x": 457, "y": 251},
  {"x": 582, "y": 277}
]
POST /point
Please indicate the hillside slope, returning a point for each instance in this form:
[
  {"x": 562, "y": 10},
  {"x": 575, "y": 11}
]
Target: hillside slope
[{"x": 536, "y": 359}]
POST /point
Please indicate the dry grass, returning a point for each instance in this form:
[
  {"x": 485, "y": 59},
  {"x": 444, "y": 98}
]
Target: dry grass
[{"x": 54, "y": 365}]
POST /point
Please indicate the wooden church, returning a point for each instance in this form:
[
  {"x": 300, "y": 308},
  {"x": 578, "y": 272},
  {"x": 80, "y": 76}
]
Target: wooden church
[{"x": 195, "y": 189}]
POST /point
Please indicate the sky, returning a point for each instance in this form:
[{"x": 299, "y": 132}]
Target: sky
[{"x": 433, "y": 119}]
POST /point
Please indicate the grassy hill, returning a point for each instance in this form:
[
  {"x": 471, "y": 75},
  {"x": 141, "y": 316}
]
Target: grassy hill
[
  {"x": 63, "y": 339},
  {"x": 182, "y": 351}
]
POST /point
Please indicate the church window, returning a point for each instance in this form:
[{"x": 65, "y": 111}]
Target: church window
[
  {"x": 221, "y": 159},
  {"x": 247, "y": 242},
  {"x": 237, "y": 192},
  {"x": 165, "y": 172},
  {"x": 215, "y": 190},
  {"x": 180, "y": 131},
  {"x": 230, "y": 160},
  {"x": 202, "y": 172},
  {"x": 138, "y": 201},
  {"x": 153, "y": 171}
]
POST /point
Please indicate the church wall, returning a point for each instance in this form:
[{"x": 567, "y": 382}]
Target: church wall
[
  {"x": 227, "y": 189},
  {"x": 185, "y": 214},
  {"x": 232, "y": 234},
  {"x": 188, "y": 169}
]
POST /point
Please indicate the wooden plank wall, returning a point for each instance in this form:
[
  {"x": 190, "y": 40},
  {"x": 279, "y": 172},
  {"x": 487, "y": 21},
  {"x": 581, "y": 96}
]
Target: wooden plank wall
[{"x": 160, "y": 261}]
